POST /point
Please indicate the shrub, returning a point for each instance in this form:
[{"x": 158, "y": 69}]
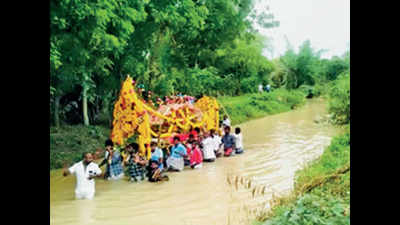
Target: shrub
[
  {"x": 339, "y": 100},
  {"x": 313, "y": 209},
  {"x": 250, "y": 106},
  {"x": 67, "y": 143}
]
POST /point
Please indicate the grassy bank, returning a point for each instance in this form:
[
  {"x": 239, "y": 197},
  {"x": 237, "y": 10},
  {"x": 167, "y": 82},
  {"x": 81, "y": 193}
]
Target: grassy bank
[
  {"x": 67, "y": 143},
  {"x": 252, "y": 106},
  {"x": 322, "y": 190}
]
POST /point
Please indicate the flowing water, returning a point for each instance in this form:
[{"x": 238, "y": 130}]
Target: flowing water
[{"x": 224, "y": 192}]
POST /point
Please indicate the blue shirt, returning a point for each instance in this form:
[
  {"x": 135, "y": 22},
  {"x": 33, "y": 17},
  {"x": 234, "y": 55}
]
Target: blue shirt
[
  {"x": 177, "y": 150},
  {"x": 156, "y": 155},
  {"x": 228, "y": 140}
]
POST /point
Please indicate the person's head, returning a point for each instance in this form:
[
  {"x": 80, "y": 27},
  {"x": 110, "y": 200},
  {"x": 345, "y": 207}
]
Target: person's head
[
  {"x": 153, "y": 164},
  {"x": 177, "y": 140},
  {"x": 109, "y": 145},
  {"x": 237, "y": 130},
  {"x": 128, "y": 148},
  {"x": 132, "y": 147},
  {"x": 197, "y": 129},
  {"x": 225, "y": 117},
  {"x": 212, "y": 132},
  {"x": 227, "y": 129},
  {"x": 87, "y": 157},
  {"x": 191, "y": 137},
  {"x": 153, "y": 146}
]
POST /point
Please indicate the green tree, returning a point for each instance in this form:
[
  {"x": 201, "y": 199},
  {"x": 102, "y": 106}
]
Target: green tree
[{"x": 90, "y": 34}]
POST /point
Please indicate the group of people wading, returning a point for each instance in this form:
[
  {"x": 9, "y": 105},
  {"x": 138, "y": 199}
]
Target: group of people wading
[{"x": 184, "y": 150}]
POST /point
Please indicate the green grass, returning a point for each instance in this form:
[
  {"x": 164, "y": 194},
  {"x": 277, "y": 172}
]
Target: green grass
[
  {"x": 67, "y": 143},
  {"x": 327, "y": 202},
  {"x": 252, "y": 106}
]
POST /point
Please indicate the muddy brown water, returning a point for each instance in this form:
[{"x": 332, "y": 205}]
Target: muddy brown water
[{"x": 276, "y": 146}]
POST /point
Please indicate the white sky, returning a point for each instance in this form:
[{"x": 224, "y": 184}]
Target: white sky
[{"x": 326, "y": 23}]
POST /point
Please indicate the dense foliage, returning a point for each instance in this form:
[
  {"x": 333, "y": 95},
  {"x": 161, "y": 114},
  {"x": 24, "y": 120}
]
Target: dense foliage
[
  {"x": 189, "y": 46},
  {"x": 339, "y": 99}
]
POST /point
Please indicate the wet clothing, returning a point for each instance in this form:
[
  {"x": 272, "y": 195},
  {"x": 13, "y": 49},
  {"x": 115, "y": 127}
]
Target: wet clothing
[
  {"x": 175, "y": 163},
  {"x": 178, "y": 150},
  {"x": 135, "y": 170},
  {"x": 208, "y": 160},
  {"x": 238, "y": 143},
  {"x": 114, "y": 170},
  {"x": 228, "y": 140},
  {"x": 156, "y": 156},
  {"x": 208, "y": 148},
  {"x": 195, "y": 156},
  {"x": 228, "y": 151},
  {"x": 239, "y": 150},
  {"x": 176, "y": 159},
  {"x": 217, "y": 142},
  {"x": 229, "y": 143},
  {"x": 85, "y": 188}
]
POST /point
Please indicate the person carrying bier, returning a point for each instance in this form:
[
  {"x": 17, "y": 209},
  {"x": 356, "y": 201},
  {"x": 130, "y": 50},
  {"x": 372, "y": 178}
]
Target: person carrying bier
[
  {"x": 154, "y": 173},
  {"x": 217, "y": 142},
  {"x": 208, "y": 148},
  {"x": 228, "y": 141},
  {"x": 238, "y": 141},
  {"x": 195, "y": 155},
  {"x": 226, "y": 122},
  {"x": 175, "y": 160},
  {"x": 157, "y": 154},
  {"x": 135, "y": 163},
  {"x": 114, "y": 162}
]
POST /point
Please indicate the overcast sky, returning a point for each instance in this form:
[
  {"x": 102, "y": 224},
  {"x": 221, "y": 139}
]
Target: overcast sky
[{"x": 326, "y": 23}]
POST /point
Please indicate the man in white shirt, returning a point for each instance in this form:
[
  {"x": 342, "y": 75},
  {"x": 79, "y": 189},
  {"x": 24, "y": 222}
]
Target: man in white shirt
[
  {"x": 217, "y": 142},
  {"x": 208, "y": 148},
  {"x": 84, "y": 172}
]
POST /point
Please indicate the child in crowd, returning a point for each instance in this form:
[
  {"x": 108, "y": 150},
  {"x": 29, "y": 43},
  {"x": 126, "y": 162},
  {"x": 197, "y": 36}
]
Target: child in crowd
[
  {"x": 229, "y": 142},
  {"x": 157, "y": 154},
  {"x": 208, "y": 148},
  {"x": 196, "y": 159},
  {"x": 164, "y": 147},
  {"x": 189, "y": 145},
  {"x": 154, "y": 173},
  {"x": 135, "y": 164},
  {"x": 238, "y": 141}
]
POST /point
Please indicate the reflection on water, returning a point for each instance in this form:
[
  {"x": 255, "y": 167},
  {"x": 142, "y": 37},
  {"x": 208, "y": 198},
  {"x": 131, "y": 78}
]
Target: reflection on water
[{"x": 276, "y": 147}]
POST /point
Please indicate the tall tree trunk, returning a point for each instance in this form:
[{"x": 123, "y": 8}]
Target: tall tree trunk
[
  {"x": 238, "y": 86},
  {"x": 56, "y": 111},
  {"x": 85, "y": 106}
]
